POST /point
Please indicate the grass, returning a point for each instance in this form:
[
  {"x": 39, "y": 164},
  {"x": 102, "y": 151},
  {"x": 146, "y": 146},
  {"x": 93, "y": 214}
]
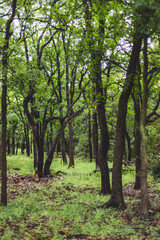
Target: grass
[{"x": 62, "y": 206}]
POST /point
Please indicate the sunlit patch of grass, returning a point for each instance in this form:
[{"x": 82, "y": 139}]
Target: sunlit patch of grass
[{"x": 22, "y": 164}]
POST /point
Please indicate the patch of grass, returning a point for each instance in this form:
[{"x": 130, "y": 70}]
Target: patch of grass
[{"x": 65, "y": 207}]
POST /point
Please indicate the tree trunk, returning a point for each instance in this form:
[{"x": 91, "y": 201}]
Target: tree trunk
[
  {"x": 50, "y": 156},
  {"x": 63, "y": 148},
  {"x": 137, "y": 143},
  {"x": 0, "y": 157},
  {"x": 40, "y": 150},
  {"x": 128, "y": 146},
  {"x": 143, "y": 113},
  {"x": 117, "y": 199},
  {"x": 9, "y": 145},
  {"x": 35, "y": 154},
  {"x": 23, "y": 145},
  {"x": 27, "y": 141},
  {"x": 95, "y": 138},
  {"x": 4, "y": 106},
  {"x": 90, "y": 137},
  {"x": 71, "y": 145},
  {"x": 103, "y": 150},
  {"x": 13, "y": 141}
]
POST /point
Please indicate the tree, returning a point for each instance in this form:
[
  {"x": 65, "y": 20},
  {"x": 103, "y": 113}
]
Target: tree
[
  {"x": 5, "y": 56},
  {"x": 96, "y": 51}
]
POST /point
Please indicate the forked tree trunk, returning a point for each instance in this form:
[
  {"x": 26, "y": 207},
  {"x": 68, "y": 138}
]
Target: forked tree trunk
[
  {"x": 117, "y": 199},
  {"x": 56, "y": 140},
  {"x": 143, "y": 113}
]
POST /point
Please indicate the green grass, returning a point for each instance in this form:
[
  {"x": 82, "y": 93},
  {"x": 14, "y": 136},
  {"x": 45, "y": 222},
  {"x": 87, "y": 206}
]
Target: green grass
[{"x": 66, "y": 207}]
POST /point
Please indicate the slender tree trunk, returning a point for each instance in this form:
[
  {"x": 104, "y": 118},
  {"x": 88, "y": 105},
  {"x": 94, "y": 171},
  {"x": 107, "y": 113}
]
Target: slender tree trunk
[
  {"x": 117, "y": 199},
  {"x": 9, "y": 145},
  {"x": 17, "y": 146},
  {"x": 63, "y": 148},
  {"x": 90, "y": 137},
  {"x": 57, "y": 138},
  {"x": 35, "y": 154},
  {"x": 137, "y": 143},
  {"x": 128, "y": 146},
  {"x": 95, "y": 138},
  {"x": 23, "y": 145},
  {"x": 0, "y": 156},
  {"x": 27, "y": 141},
  {"x": 4, "y": 106},
  {"x": 13, "y": 141},
  {"x": 71, "y": 145},
  {"x": 40, "y": 150},
  {"x": 143, "y": 113}
]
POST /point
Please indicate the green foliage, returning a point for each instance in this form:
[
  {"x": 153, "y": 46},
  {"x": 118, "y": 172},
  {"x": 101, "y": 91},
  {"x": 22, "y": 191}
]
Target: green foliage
[{"x": 156, "y": 166}]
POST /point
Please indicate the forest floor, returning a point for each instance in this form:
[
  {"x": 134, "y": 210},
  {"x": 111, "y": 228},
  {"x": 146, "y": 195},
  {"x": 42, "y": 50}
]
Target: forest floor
[{"x": 66, "y": 206}]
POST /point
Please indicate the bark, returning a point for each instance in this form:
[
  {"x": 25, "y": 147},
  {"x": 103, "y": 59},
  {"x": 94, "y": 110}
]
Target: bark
[
  {"x": 23, "y": 146},
  {"x": 117, "y": 199},
  {"x": 9, "y": 145},
  {"x": 96, "y": 58},
  {"x": 71, "y": 145},
  {"x": 63, "y": 148},
  {"x": 4, "y": 105},
  {"x": 0, "y": 157},
  {"x": 137, "y": 143},
  {"x": 56, "y": 140},
  {"x": 90, "y": 137},
  {"x": 35, "y": 154},
  {"x": 143, "y": 114},
  {"x": 13, "y": 141},
  {"x": 95, "y": 138},
  {"x": 27, "y": 140},
  {"x": 128, "y": 146}
]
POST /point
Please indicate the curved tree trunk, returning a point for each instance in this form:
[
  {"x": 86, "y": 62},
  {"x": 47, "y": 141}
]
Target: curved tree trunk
[
  {"x": 57, "y": 138},
  {"x": 117, "y": 199}
]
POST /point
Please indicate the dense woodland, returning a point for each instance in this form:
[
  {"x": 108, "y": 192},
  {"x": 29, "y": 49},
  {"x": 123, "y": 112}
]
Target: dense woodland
[{"x": 82, "y": 79}]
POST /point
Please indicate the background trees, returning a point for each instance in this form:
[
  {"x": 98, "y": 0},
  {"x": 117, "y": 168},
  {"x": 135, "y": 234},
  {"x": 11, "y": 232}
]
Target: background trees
[{"x": 69, "y": 56}]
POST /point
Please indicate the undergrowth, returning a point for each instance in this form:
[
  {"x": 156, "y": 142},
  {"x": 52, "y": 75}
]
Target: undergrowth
[{"x": 66, "y": 206}]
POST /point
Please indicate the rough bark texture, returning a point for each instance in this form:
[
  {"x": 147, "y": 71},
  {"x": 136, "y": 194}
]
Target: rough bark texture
[
  {"x": 4, "y": 105},
  {"x": 117, "y": 199}
]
